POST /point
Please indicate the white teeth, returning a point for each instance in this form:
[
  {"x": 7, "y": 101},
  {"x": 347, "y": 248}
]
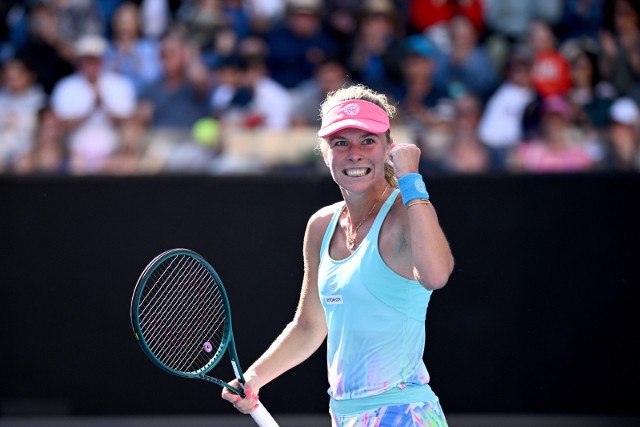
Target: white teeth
[{"x": 356, "y": 172}]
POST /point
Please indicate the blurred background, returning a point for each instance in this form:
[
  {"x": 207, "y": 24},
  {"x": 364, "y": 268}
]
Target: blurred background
[{"x": 128, "y": 128}]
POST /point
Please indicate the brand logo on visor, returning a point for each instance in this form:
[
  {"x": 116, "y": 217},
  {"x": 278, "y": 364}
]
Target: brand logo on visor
[{"x": 351, "y": 109}]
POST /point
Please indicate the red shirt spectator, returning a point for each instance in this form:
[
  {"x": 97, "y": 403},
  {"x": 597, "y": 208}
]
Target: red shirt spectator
[
  {"x": 426, "y": 13},
  {"x": 551, "y": 74}
]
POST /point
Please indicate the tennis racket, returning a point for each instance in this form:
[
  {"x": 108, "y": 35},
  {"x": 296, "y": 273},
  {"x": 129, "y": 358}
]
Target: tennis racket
[{"x": 181, "y": 317}]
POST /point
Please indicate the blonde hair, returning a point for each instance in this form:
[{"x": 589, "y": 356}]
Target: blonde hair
[{"x": 361, "y": 92}]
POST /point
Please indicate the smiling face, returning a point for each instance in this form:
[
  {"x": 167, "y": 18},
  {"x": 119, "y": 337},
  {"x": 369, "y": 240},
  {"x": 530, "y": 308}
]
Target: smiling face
[{"x": 356, "y": 157}]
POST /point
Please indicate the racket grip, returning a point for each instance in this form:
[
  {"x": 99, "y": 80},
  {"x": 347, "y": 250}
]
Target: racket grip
[{"x": 262, "y": 417}]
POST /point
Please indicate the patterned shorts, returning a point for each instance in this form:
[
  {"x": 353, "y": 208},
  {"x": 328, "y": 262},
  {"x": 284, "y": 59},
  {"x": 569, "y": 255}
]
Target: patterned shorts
[{"x": 406, "y": 415}]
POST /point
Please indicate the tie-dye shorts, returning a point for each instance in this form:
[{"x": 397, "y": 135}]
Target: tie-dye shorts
[{"x": 406, "y": 415}]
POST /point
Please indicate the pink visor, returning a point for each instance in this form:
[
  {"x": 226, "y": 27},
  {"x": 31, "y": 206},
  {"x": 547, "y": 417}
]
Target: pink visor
[{"x": 354, "y": 113}]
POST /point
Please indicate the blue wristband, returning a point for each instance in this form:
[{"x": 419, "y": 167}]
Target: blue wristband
[{"x": 412, "y": 187}]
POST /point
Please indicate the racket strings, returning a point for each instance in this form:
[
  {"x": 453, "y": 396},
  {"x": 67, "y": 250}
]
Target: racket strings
[
  {"x": 178, "y": 338},
  {"x": 182, "y": 314},
  {"x": 192, "y": 357},
  {"x": 196, "y": 332},
  {"x": 176, "y": 297},
  {"x": 169, "y": 295},
  {"x": 160, "y": 290},
  {"x": 160, "y": 306}
]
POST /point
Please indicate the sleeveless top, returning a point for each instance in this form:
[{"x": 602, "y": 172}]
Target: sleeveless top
[{"x": 376, "y": 326}]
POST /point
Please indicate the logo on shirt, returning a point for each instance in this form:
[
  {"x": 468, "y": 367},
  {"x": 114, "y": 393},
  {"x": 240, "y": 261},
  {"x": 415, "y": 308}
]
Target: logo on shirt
[{"x": 333, "y": 299}]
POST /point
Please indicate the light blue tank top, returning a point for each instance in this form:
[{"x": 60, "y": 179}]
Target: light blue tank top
[{"x": 376, "y": 323}]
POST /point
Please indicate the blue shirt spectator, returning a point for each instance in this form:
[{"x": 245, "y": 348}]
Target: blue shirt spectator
[
  {"x": 467, "y": 67},
  {"x": 298, "y": 43},
  {"x": 180, "y": 96},
  {"x": 130, "y": 54}
]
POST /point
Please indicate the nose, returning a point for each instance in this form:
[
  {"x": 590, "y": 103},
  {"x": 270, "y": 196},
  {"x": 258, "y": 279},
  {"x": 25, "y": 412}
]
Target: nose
[{"x": 355, "y": 152}]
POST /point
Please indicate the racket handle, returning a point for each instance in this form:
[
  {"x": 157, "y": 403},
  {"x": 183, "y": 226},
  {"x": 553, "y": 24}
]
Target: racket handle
[{"x": 262, "y": 417}]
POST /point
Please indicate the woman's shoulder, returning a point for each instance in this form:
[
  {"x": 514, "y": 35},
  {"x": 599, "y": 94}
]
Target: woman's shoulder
[
  {"x": 325, "y": 213},
  {"x": 319, "y": 221},
  {"x": 317, "y": 226}
]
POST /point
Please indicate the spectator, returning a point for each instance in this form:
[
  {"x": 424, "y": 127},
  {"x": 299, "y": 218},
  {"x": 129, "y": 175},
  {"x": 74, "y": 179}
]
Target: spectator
[
  {"x": 92, "y": 104},
  {"x": 426, "y": 15},
  {"x": 270, "y": 104},
  {"x": 179, "y": 97},
  {"x": 169, "y": 107},
  {"x": 156, "y": 17},
  {"x": 200, "y": 20},
  {"x": 46, "y": 51},
  {"x": 508, "y": 23},
  {"x": 13, "y": 27},
  {"x": 20, "y": 100},
  {"x": 342, "y": 22},
  {"x": 624, "y": 137},
  {"x": 223, "y": 45},
  {"x": 106, "y": 9},
  {"x": 551, "y": 74},
  {"x": 231, "y": 93},
  {"x": 467, "y": 155},
  {"x": 501, "y": 124},
  {"x": 511, "y": 19},
  {"x": 330, "y": 75},
  {"x": 620, "y": 47},
  {"x": 377, "y": 47},
  {"x": 232, "y": 28},
  {"x": 79, "y": 17},
  {"x": 581, "y": 19},
  {"x": 418, "y": 92},
  {"x": 556, "y": 150},
  {"x": 131, "y": 156},
  {"x": 298, "y": 43},
  {"x": 129, "y": 53},
  {"x": 48, "y": 155},
  {"x": 466, "y": 67},
  {"x": 590, "y": 96},
  {"x": 436, "y": 140},
  {"x": 238, "y": 18},
  {"x": 264, "y": 14}
]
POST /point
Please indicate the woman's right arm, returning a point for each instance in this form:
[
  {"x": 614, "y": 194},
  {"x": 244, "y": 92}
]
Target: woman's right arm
[{"x": 301, "y": 337}]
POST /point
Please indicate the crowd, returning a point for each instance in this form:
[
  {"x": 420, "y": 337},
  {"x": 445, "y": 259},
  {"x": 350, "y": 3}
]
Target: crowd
[{"x": 160, "y": 86}]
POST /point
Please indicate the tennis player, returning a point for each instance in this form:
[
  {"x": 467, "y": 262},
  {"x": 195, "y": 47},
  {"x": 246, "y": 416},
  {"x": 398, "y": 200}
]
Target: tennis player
[{"x": 371, "y": 263}]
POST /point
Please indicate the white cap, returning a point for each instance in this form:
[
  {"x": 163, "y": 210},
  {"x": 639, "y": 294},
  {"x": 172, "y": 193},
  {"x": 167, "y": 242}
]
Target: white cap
[
  {"x": 625, "y": 110},
  {"x": 91, "y": 45}
]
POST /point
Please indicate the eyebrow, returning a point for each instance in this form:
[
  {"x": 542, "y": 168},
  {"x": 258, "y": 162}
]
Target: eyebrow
[{"x": 339, "y": 135}]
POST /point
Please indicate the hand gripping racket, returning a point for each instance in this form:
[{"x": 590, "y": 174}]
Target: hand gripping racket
[{"x": 181, "y": 318}]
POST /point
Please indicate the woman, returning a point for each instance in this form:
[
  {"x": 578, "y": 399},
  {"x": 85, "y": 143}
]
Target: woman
[
  {"x": 129, "y": 53},
  {"x": 620, "y": 46},
  {"x": 371, "y": 264}
]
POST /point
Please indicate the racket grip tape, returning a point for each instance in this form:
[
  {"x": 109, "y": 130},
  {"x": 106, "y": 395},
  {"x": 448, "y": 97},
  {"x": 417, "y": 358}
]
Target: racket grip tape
[{"x": 262, "y": 417}]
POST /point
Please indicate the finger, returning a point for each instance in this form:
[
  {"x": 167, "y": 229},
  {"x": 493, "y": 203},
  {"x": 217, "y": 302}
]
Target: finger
[
  {"x": 246, "y": 405},
  {"x": 230, "y": 396}
]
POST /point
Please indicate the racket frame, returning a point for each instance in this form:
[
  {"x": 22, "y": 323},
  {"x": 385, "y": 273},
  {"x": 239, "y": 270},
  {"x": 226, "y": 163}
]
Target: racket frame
[{"x": 228, "y": 342}]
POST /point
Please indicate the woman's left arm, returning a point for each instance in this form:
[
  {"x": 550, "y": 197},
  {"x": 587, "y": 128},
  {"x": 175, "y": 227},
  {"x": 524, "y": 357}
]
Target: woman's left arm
[{"x": 430, "y": 251}]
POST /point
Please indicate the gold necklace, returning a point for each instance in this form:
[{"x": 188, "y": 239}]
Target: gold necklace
[{"x": 351, "y": 237}]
